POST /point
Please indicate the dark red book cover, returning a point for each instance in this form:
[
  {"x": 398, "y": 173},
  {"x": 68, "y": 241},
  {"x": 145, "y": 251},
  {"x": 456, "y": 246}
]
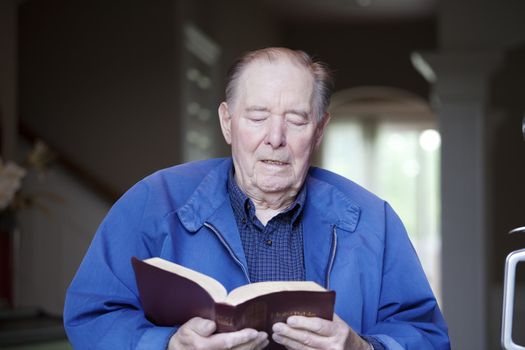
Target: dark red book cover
[{"x": 169, "y": 300}]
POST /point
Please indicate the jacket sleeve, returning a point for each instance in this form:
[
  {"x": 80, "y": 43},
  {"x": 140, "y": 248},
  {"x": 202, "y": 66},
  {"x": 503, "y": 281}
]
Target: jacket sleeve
[
  {"x": 408, "y": 315},
  {"x": 102, "y": 308}
]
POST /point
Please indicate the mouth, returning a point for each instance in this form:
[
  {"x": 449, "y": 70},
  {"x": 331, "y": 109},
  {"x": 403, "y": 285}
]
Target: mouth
[{"x": 274, "y": 162}]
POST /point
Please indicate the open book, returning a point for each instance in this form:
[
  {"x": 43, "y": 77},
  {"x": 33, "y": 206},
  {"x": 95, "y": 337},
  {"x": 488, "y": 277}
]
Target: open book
[{"x": 171, "y": 294}]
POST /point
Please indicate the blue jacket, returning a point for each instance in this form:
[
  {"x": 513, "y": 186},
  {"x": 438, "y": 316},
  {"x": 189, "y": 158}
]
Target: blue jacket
[{"x": 354, "y": 244}]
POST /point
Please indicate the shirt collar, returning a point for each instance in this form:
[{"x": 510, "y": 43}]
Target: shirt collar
[
  {"x": 237, "y": 197},
  {"x": 241, "y": 204}
]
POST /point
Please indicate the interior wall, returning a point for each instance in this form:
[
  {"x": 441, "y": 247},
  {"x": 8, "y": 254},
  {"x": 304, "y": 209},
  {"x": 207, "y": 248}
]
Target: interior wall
[
  {"x": 237, "y": 26},
  {"x": 508, "y": 158},
  {"x": 53, "y": 238},
  {"x": 101, "y": 81},
  {"x": 98, "y": 81},
  {"x": 480, "y": 25},
  {"x": 367, "y": 53},
  {"x": 507, "y": 185},
  {"x": 8, "y": 91}
]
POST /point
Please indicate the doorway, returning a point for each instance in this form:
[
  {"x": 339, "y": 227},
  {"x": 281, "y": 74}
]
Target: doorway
[{"x": 386, "y": 140}]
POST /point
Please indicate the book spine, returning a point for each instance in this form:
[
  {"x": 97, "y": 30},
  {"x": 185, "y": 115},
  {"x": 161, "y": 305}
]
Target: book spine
[{"x": 225, "y": 318}]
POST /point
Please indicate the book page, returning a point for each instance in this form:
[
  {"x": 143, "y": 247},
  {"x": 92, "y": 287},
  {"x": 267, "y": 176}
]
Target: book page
[
  {"x": 249, "y": 291},
  {"x": 214, "y": 288}
]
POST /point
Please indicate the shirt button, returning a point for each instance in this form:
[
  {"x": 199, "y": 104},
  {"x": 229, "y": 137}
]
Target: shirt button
[
  {"x": 243, "y": 220},
  {"x": 268, "y": 242}
]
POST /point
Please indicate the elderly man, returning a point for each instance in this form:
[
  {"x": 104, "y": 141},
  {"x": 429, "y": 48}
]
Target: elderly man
[{"x": 263, "y": 215}]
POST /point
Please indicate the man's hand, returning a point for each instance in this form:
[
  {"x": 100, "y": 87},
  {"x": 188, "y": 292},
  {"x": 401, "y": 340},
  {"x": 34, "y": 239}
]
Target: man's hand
[
  {"x": 197, "y": 333},
  {"x": 316, "y": 333}
]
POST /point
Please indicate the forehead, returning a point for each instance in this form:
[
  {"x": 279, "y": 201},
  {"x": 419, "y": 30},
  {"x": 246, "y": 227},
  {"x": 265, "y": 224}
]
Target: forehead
[{"x": 277, "y": 80}]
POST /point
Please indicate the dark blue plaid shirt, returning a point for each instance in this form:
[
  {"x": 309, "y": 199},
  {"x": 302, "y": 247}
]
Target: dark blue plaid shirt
[{"x": 273, "y": 252}]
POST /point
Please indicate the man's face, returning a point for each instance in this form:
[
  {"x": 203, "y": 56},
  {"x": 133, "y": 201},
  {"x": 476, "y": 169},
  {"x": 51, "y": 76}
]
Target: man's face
[{"x": 272, "y": 128}]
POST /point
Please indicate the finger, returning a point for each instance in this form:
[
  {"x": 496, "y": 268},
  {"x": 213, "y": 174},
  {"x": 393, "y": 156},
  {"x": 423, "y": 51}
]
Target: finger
[
  {"x": 262, "y": 340},
  {"x": 232, "y": 339},
  {"x": 290, "y": 344},
  {"x": 258, "y": 343},
  {"x": 300, "y": 336},
  {"x": 338, "y": 320},
  {"x": 262, "y": 345},
  {"x": 312, "y": 324},
  {"x": 201, "y": 326}
]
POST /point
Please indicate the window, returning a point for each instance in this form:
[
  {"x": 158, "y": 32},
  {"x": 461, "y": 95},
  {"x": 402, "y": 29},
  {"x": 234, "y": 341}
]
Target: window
[{"x": 397, "y": 159}]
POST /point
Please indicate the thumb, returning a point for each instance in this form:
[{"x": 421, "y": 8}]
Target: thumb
[{"x": 201, "y": 326}]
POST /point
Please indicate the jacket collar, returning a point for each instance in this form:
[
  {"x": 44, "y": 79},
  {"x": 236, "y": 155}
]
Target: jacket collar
[
  {"x": 335, "y": 207},
  {"x": 207, "y": 198},
  {"x": 326, "y": 209}
]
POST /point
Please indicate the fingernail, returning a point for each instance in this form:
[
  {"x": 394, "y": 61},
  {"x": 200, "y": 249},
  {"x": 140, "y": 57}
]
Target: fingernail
[
  {"x": 291, "y": 321},
  {"x": 262, "y": 335},
  {"x": 277, "y": 338},
  {"x": 278, "y": 327}
]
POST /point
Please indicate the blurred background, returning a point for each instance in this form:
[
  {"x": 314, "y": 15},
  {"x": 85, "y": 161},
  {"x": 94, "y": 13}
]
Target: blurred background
[{"x": 97, "y": 94}]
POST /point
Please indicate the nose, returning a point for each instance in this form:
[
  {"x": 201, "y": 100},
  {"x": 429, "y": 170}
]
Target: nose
[{"x": 276, "y": 134}]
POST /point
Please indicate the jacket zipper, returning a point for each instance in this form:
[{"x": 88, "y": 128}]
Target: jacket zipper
[
  {"x": 332, "y": 257},
  {"x": 229, "y": 249}
]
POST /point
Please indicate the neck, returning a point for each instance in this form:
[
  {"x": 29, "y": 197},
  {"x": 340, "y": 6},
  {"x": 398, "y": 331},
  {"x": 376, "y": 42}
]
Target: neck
[
  {"x": 267, "y": 208},
  {"x": 268, "y": 204}
]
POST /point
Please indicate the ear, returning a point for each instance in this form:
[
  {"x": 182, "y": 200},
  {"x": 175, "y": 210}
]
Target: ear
[
  {"x": 319, "y": 132},
  {"x": 225, "y": 119}
]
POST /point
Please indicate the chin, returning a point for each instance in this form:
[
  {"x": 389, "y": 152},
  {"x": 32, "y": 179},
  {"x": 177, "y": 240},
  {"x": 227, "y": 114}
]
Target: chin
[{"x": 274, "y": 187}]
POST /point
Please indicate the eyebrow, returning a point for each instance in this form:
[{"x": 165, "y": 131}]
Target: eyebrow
[
  {"x": 257, "y": 109},
  {"x": 299, "y": 112}
]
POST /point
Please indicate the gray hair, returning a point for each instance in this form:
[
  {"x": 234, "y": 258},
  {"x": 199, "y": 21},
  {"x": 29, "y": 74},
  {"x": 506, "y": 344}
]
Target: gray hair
[{"x": 323, "y": 81}]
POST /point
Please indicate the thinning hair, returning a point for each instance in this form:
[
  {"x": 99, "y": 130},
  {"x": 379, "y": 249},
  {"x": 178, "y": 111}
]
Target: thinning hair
[{"x": 323, "y": 81}]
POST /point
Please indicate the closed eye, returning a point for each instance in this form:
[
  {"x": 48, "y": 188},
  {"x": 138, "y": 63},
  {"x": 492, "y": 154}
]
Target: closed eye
[
  {"x": 257, "y": 113},
  {"x": 296, "y": 119},
  {"x": 257, "y": 117}
]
